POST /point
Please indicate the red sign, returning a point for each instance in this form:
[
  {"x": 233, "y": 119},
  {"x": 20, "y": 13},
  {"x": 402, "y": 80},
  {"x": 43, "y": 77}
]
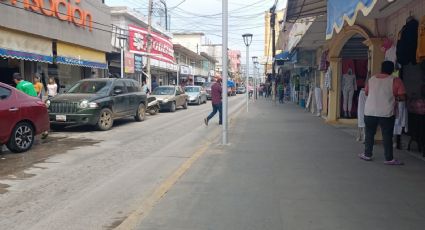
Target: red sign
[{"x": 161, "y": 49}]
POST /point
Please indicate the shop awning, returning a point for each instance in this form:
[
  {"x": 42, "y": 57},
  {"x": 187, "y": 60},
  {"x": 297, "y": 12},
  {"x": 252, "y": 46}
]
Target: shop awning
[
  {"x": 25, "y": 46},
  {"x": 80, "y": 56},
  {"x": 285, "y": 55},
  {"x": 345, "y": 11}
]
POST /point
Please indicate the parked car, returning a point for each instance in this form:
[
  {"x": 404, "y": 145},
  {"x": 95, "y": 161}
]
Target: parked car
[
  {"x": 170, "y": 97},
  {"x": 207, "y": 87},
  {"x": 241, "y": 90},
  {"x": 98, "y": 102},
  {"x": 196, "y": 94},
  {"x": 22, "y": 117}
]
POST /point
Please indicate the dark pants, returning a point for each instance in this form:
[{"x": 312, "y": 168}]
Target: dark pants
[
  {"x": 387, "y": 127},
  {"x": 281, "y": 96},
  {"x": 216, "y": 108}
]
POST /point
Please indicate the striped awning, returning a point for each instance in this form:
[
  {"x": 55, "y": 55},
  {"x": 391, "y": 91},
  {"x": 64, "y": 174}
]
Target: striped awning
[
  {"x": 340, "y": 12},
  {"x": 80, "y": 56},
  {"x": 23, "y": 46}
]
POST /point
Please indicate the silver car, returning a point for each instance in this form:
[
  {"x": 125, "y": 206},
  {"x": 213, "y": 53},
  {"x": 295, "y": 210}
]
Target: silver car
[
  {"x": 197, "y": 94},
  {"x": 170, "y": 97}
]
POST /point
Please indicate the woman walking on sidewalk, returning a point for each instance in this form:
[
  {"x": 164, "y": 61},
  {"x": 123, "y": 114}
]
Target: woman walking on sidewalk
[
  {"x": 216, "y": 102},
  {"x": 382, "y": 91}
]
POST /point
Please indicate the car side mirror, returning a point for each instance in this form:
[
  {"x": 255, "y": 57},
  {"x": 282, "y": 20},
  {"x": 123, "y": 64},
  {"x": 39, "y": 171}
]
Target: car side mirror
[{"x": 118, "y": 91}]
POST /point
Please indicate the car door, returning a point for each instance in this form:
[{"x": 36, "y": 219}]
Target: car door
[
  {"x": 180, "y": 96},
  {"x": 9, "y": 112},
  {"x": 203, "y": 94},
  {"x": 133, "y": 102},
  {"x": 120, "y": 98}
]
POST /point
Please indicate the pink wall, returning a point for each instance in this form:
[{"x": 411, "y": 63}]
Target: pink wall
[{"x": 235, "y": 60}]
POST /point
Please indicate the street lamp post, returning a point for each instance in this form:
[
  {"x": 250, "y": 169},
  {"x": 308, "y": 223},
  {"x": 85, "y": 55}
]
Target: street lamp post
[
  {"x": 122, "y": 43},
  {"x": 225, "y": 40},
  {"x": 247, "y": 39},
  {"x": 255, "y": 62}
]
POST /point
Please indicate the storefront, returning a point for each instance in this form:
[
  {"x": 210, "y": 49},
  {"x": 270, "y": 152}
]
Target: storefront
[{"x": 65, "y": 44}]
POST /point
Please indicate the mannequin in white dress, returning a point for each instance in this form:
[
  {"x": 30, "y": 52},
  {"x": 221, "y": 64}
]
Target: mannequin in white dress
[{"x": 349, "y": 85}]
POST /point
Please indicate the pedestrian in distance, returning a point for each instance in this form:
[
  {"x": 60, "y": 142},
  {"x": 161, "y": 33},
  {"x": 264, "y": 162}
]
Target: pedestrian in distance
[
  {"x": 24, "y": 86},
  {"x": 52, "y": 88},
  {"x": 145, "y": 88},
  {"x": 216, "y": 101},
  {"x": 39, "y": 88},
  {"x": 382, "y": 91},
  {"x": 280, "y": 90}
]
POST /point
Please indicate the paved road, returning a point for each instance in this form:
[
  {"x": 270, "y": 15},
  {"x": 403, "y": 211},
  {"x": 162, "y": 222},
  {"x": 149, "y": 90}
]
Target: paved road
[{"x": 95, "y": 180}]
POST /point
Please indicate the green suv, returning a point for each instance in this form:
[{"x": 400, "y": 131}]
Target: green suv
[{"x": 97, "y": 102}]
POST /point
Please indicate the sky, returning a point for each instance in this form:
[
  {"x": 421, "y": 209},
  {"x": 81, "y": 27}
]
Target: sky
[{"x": 245, "y": 16}]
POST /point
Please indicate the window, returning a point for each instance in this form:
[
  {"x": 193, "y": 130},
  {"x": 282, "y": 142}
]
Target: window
[
  {"x": 132, "y": 86},
  {"x": 4, "y": 93},
  {"x": 119, "y": 84}
]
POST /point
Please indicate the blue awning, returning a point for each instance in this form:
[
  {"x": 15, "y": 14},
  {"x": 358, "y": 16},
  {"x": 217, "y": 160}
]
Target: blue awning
[
  {"x": 25, "y": 56},
  {"x": 230, "y": 83},
  {"x": 285, "y": 55},
  {"x": 79, "y": 62},
  {"x": 345, "y": 11}
]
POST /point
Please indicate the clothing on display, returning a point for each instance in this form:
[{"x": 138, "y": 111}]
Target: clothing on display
[
  {"x": 401, "y": 118},
  {"x": 360, "y": 108},
  {"x": 420, "y": 53},
  {"x": 324, "y": 63},
  {"x": 318, "y": 97},
  {"x": 328, "y": 79},
  {"x": 391, "y": 54},
  {"x": 349, "y": 85},
  {"x": 408, "y": 42}
]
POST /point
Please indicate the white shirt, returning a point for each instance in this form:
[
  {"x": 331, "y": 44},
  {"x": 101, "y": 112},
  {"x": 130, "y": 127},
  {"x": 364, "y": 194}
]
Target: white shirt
[
  {"x": 52, "y": 90},
  {"x": 380, "y": 101}
]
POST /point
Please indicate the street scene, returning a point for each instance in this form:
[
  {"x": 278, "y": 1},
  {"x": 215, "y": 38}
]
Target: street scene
[{"x": 218, "y": 114}]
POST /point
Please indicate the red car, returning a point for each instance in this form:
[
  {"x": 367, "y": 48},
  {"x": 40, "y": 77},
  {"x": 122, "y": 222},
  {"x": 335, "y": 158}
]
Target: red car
[{"x": 21, "y": 118}]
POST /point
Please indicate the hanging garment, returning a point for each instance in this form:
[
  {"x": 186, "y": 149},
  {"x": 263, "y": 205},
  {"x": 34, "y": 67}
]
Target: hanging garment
[
  {"x": 318, "y": 97},
  {"x": 328, "y": 79},
  {"x": 408, "y": 43},
  {"x": 391, "y": 54},
  {"x": 401, "y": 118},
  {"x": 324, "y": 64},
  {"x": 420, "y": 53},
  {"x": 360, "y": 108}
]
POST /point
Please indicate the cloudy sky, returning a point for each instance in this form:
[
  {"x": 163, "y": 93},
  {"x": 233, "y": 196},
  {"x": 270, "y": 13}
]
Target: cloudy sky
[{"x": 205, "y": 16}]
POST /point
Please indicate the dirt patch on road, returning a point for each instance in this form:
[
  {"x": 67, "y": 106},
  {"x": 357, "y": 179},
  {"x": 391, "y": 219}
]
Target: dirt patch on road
[{"x": 12, "y": 166}]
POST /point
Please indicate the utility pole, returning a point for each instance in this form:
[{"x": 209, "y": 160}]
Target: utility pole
[
  {"x": 225, "y": 53},
  {"x": 148, "y": 56},
  {"x": 272, "y": 24}
]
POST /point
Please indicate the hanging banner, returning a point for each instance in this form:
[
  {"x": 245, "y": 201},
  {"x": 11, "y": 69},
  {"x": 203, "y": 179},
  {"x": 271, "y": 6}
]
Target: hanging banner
[
  {"x": 138, "y": 63},
  {"x": 129, "y": 62},
  {"x": 162, "y": 47}
]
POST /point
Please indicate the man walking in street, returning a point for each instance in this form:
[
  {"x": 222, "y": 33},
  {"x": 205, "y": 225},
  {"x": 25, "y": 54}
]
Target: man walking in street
[
  {"x": 280, "y": 90},
  {"x": 383, "y": 90},
  {"x": 216, "y": 93},
  {"x": 24, "y": 86}
]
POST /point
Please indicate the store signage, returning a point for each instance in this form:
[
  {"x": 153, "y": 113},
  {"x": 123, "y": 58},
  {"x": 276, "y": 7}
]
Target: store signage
[
  {"x": 62, "y": 10},
  {"x": 185, "y": 70},
  {"x": 161, "y": 48},
  {"x": 129, "y": 62},
  {"x": 138, "y": 63}
]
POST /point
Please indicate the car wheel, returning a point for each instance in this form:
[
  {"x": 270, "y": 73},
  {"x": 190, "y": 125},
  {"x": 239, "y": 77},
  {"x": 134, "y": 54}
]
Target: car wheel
[
  {"x": 185, "y": 105},
  {"x": 105, "y": 121},
  {"x": 141, "y": 112},
  {"x": 173, "y": 107},
  {"x": 22, "y": 138}
]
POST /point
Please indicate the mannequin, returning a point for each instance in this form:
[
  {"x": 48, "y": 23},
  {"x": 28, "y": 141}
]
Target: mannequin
[
  {"x": 360, "y": 115},
  {"x": 349, "y": 85}
]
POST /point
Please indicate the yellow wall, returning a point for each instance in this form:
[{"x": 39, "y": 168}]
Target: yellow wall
[{"x": 267, "y": 37}]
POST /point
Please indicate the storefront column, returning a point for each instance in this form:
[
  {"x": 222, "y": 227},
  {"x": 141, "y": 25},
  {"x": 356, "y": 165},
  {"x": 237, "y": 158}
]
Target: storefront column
[
  {"x": 334, "y": 95},
  {"x": 377, "y": 56}
]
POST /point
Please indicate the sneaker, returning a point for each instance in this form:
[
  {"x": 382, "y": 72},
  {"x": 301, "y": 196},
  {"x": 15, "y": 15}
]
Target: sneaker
[
  {"x": 393, "y": 162},
  {"x": 206, "y": 121},
  {"x": 364, "y": 157}
]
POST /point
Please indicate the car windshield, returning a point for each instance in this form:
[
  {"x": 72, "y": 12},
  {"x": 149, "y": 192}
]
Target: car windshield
[
  {"x": 163, "y": 91},
  {"x": 208, "y": 84},
  {"x": 192, "y": 89},
  {"x": 91, "y": 87}
]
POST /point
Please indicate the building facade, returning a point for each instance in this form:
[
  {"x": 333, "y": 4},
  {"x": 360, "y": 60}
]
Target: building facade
[
  {"x": 69, "y": 43},
  {"x": 235, "y": 64}
]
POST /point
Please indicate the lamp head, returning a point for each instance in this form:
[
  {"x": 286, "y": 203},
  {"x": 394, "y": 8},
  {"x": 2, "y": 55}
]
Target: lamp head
[
  {"x": 254, "y": 59},
  {"x": 247, "y": 39}
]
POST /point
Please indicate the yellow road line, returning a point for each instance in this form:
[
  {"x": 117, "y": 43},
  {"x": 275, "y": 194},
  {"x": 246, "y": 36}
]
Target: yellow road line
[{"x": 136, "y": 217}]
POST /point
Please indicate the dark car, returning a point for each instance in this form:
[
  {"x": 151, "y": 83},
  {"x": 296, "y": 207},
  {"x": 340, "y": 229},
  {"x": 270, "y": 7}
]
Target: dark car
[
  {"x": 170, "y": 97},
  {"x": 98, "y": 102},
  {"x": 21, "y": 118}
]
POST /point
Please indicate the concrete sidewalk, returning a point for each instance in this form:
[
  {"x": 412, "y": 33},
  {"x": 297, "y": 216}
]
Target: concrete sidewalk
[{"x": 286, "y": 169}]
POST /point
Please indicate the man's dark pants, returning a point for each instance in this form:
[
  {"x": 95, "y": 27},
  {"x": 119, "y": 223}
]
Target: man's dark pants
[
  {"x": 387, "y": 127},
  {"x": 217, "y": 107}
]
